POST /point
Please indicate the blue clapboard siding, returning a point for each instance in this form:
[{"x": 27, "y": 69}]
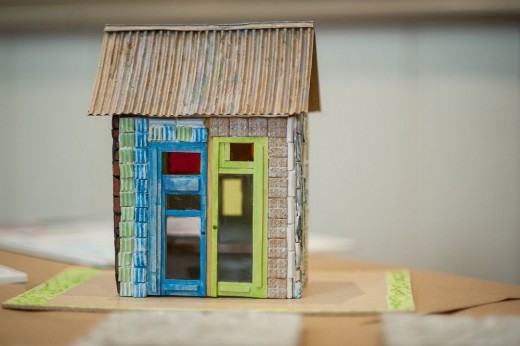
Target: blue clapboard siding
[
  {"x": 141, "y": 203},
  {"x": 169, "y": 134},
  {"x": 139, "y": 274},
  {"x": 177, "y": 130},
  {"x": 199, "y": 134},
  {"x": 140, "y": 155},
  {"x": 140, "y": 244},
  {"x": 140, "y": 259},
  {"x": 141, "y": 171},
  {"x": 140, "y": 185},
  {"x": 141, "y": 125},
  {"x": 141, "y": 229},
  {"x": 140, "y": 289},
  {"x": 141, "y": 140},
  {"x": 141, "y": 199}
]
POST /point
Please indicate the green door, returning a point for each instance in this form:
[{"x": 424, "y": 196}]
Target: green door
[{"x": 239, "y": 214}]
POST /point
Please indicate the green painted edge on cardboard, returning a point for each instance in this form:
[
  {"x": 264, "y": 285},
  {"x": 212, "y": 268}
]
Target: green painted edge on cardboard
[
  {"x": 399, "y": 291},
  {"x": 61, "y": 283}
]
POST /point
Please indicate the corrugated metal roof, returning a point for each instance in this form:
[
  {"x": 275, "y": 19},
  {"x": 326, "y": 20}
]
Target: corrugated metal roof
[{"x": 241, "y": 69}]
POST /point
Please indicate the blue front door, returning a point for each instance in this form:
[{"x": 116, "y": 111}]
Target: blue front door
[{"x": 179, "y": 245}]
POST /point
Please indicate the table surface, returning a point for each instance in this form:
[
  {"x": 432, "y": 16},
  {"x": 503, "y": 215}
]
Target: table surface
[{"x": 433, "y": 293}]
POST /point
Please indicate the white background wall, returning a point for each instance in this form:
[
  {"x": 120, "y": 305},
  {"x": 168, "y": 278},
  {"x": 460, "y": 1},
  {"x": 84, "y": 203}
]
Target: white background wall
[{"x": 415, "y": 156}]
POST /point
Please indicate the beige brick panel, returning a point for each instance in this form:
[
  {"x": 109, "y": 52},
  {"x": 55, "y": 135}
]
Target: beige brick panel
[
  {"x": 277, "y": 147},
  {"x": 276, "y": 283},
  {"x": 277, "y": 248},
  {"x": 277, "y": 162},
  {"x": 277, "y": 293},
  {"x": 277, "y": 268},
  {"x": 278, "y": 187},
  {"x": 278, "y": 172},
  {"x": 277, "y": 203},
  {"x": 276, "y": 288},
  {"x": 277, "y": 127},
  {"x": 277, "y": 208},
  {"x": 280, "y": 152},
  {"x": 277, "y": 228},
  {"x": 238, "y": 127},
  {"x": 219, "y": 127},
  {"x": 258, "y": 127}
]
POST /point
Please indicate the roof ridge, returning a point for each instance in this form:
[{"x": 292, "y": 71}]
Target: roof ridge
[{"x": 207, "y": 27}]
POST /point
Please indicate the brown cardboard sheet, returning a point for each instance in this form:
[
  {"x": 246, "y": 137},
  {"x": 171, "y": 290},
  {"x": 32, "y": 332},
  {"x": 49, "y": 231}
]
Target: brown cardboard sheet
[
  {"x": 327, "y": 292},
  {"x": 438, "y": 292},
  {"x": 433, "y": 293}
]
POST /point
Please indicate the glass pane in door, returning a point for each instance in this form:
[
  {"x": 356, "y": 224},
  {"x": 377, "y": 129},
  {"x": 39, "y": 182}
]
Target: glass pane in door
[
  {"x": 235, "y": 228},
  {"x": 182, "y": 202},
  {"x": 183, "y": 248}
]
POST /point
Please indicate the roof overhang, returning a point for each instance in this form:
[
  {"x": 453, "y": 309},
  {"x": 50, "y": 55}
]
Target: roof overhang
[{"x": 252, "y": 69}]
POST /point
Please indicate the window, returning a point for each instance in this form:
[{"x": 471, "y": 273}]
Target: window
[{"x": 241, "y": 152}]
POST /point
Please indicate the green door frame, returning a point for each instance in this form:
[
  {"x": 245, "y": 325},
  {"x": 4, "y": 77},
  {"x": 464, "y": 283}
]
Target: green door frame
[{"x": 221, "y": 164}]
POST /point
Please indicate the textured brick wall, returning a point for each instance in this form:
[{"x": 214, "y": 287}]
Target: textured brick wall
[
  {"x": 116, "y": 188},
  {"x": 277, "y": 224}
]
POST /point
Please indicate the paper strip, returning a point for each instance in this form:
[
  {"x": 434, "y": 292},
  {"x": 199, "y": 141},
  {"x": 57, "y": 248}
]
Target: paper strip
[
  {"x": 399, "y": 291},
  {"x": 59, "y": 284}
]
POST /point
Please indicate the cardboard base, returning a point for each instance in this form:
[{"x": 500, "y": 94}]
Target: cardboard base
[{"x": 83, "y": 289}]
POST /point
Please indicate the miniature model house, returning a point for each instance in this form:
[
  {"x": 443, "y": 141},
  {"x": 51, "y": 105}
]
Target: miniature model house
[{"x": 209, "y": 156}]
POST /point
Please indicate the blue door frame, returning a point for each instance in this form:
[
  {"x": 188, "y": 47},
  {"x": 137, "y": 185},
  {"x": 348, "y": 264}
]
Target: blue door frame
[{"x": 161, "y": 185}]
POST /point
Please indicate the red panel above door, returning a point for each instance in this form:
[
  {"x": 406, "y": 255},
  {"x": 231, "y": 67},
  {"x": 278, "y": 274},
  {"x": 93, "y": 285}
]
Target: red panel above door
[{"x": 182, "y": 163}]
